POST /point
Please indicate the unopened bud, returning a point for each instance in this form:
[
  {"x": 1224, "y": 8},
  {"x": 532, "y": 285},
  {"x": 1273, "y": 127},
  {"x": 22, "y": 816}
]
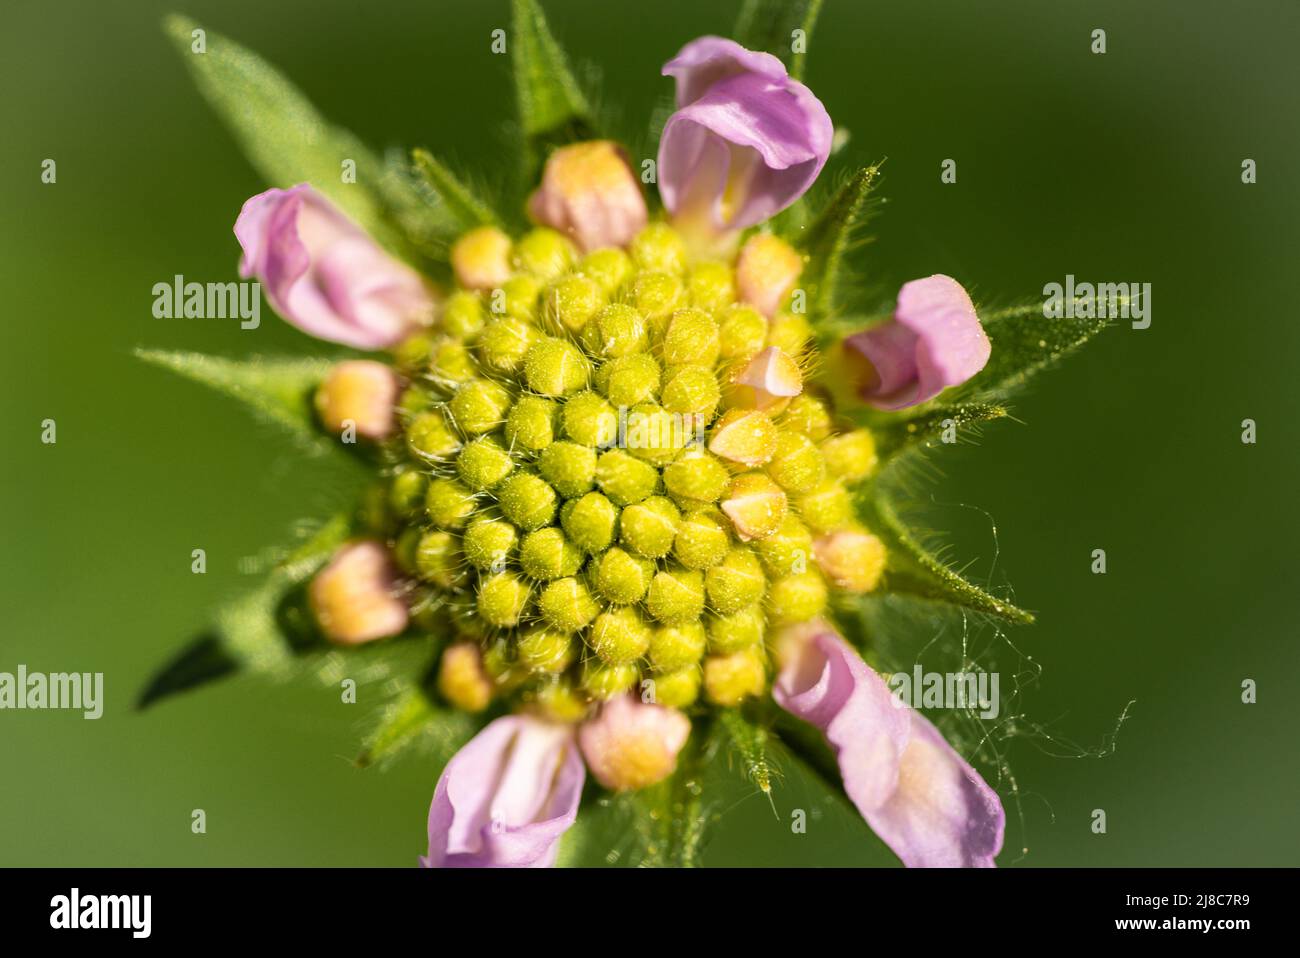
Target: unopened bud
[
  {"x": 787, "y": 550},
  {"x": 567, "y": 606},
  {"x": 741, "y": 332},
  {"x": 573, "y": 302},
  {"x": 797, "y": 465},
  {"x": 710, "y": 286},
  {"x": 448, "y": 503},
  {"x": 702, "y": 540},
  {"x": 755, "y": 505},
  {"x": 766, "y": 271},
  {"x": 360, "y": 392},
  {"x": 437, "y": 559},
  {"x": 739, "y": 630},
  {"x": 691, "y": 388},
  {"x": 481, "y": 258},
  {"x": 631, "y": 745},
  {"x": 629, "y": 380},
  {"x": 625, "y": 478},
  {"x": 505, "y": 342},
  {"x": 463, "y": 315},
  {"x": 568, "y": 467},
  {"x": 589, "y": 192},
  {"x": 691, "y": 337},
  {"x": 678, "y": 689},
  {"x": 772, "y": 379},
  {"x": 502, "y": 599},
  {"x": 488, "y": 543},
  {"x": 619, "y": 636},
  {"x": 608, "y": 268},
  {"x": 744, "y": 436},
  {"x": 483, "y": 463},
  {"x": 853, "y": 560},
  {"x": 617, "y": 330},
  {"x": 658, "y": 248},
  {"x": 809, "y": 415},
  {"x": 546, "y": 651},
  {"x": 656, "y": 296},
  {"x": 676, "y": 596},
  {"x": 851, "y": 455},
  {"x": 826, "y": 508},
  {"x": 674, "y": 647},
  {"x": 530, "y": 424},
  {"x": 697, "y": 477},
  {"x": 462, "y": 680},
  {"x": 620, "y": 577},
  {"x": 797, "y": 598},
  {"x": 730, "y": 679},
  {"x": 603, "y": 681},
  {"x": 479, "y": 407},
  {"x": 527, "y": 500},
  {"x": 353, "y": 597},
  {"x": 544, "y": 253},
  {"x": 546, "y": 554},
  {"x": 556, "y": 367},
  {"x": 736, "y": 582},
  {"x": 589, "y": 522},
  {"x": 649, "y": 527},
  {"x": 590, "y": 420}
]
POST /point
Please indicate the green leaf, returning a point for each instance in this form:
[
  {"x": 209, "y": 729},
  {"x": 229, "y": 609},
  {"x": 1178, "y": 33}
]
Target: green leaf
[
  {"x": 1025, "y": 342},
  {"x": 769, "y": 25},
  {"x": 463, "y": 209},
  {"x": 911, "y": 570},
  {"x": 830, "y": 237},
  {"x": 411, "y": 722},
  {"x": 750, "y": 744},
  {"x": 279, "y": 130},
  {"x": 277, "y": 390},
  {"x": 896, "y": 435},
  {"x": 247, "y": 634},
  {"x": 552, "y": 107}
]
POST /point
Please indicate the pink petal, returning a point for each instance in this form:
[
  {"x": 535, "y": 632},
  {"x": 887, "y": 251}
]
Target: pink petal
[
  {"x": 323, "y": 274},
  {"x": 922, "y": 799},
  {"x": 506, "y": 798}
]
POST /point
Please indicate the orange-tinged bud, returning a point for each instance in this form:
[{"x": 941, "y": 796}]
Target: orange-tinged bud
[
  {"x": 756, "y": 506},
  {"x": 745, "y": 436},
  {"x": 773, "y": 377},
  {"x": 362, "y": 394},
  {"x": 353, "y": 597},
  {"x": 766, "y": 272},
  {"x": 589, "y": 192},
  {"x": 481, "y": 258},
  {"x": 853, "y": 560},
  {"x": 462, "y": 680},
  {"x": 631, "y": 745}
]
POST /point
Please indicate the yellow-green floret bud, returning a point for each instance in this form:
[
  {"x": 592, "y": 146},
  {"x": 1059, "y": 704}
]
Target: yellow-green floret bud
[
  {"x": 530, "y": 424},
  {"x": 691, "y": 337},
  {"x": 505, "y": 342},
  {"x": 629, "y": 380},
  {"x": 656, "y": 295},
  {"x": 674, "y": 647},
  {"x": 590, "y": 522},
  {"x": 619, "y": 636},
  {"x": 430, "y": 437},
  {"x": 567, "y": 605},
  {"x": 590, "y": 420},
  {"x": 483, "y": 463},
  {"x": 607, "y": 268},
  {"x": 479, "y": 407},
  {"x": 787, "y": 550},
  {"x": 544, "y": 253},
  {"x": 850, "y": 456},
  {"x": 527, "y": 501},
  {"x": 711, "y": 286},
  {"x": 620, "y": 577},
  {"x": 406, "y": 492},
  {"x": 517, "y": 298},
  {"x": 691, "y": 388},
  {"x": 546, "y": 651},
  {"x": 572, "y": 302},
  {"x": 730, "y": 679},
  {"x": 825, "y": 508},
  {"x": 797, "y": 465},
  {"x": 809, "y": 415},
  {"x": 488, "y": 544},
  {"x": 568, "y": 467},
  {"x": 555, "y": 367},
  {"x": 796, "y": 598},
  {"x": 448, "y": 503},
  {"x": 546, "y": 554},
  {"x": 697, "y": 477},
  {"x": 742, "y": 332},
  {"x": 658, "y": 248},
  {"x": 502, "y": 599},
  {"x": 437, "y": 559},
  {"x": 602, "y": 681},
  {"x": 736, "y": 582},
  {"x": 677, "y": 689},
  {"x": 618, "y": 330},
  {"x": 649, "y": 527},
  {"x": 702, "y": 540},
  {"x": 463, "y": 316},
  {"x": 739, "y": 630},
  {"x": 676, "y": 596},
  {"x": 624, "y": 478}
]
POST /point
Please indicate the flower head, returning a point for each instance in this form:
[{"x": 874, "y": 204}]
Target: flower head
[
  {"x": 934, "y": 341},
  {"x": 589, "y": 192},
  {"x": 506, "y": 797},
  {"x": 746, "y": 140},
  {"x": 921, "y": 797},
  {"x": 323, "y": 274}
]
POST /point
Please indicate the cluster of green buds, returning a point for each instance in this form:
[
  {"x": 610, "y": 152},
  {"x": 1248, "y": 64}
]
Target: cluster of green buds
[{"x": 609, "y": 471}]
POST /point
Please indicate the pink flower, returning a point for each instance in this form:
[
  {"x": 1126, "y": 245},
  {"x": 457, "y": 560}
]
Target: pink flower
[
  {"x": 325, "y": 275},
  {"x": 934, "y": 341},
  {"x": 506, "y": 798},
  {"x": 746, "y": 140},
  {"x": 921, "y": 797},
  {"x": 589, "y": 192},
  {"x": 631, "y": 744}
]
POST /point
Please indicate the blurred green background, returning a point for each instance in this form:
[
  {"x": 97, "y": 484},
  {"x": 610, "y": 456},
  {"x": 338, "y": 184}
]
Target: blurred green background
[{"x": 1120, "y": 167}]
